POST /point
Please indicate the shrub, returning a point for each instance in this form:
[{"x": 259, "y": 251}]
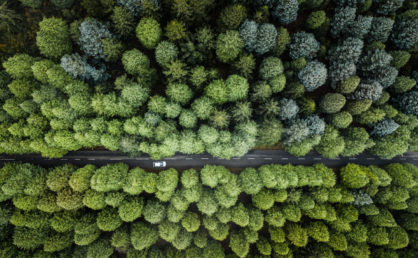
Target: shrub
[
  {"x": 53, "y": 38},
  {"x": 286, "y": 11},
  {"x": 303, "y": 45},
  {"x": 313, "y": 75},
  {"x": 228, "y": 46}
]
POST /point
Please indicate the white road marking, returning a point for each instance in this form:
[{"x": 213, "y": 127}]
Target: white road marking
[
  {"x": 111, "y": 159},
  {"x": 285, "y": 158},
  {"x": 76, "y": 159},
  {"x": 250, "y": 158},
  {"x": 189, "y": 158},
  {"x": 64, "y": 159},
  {"x": 317, "y": 158},
  {"x": 142, "y": 158},
  {"x": 335, "y": 159},
  {"x": 95, "y": 159},
  {"x": 204, "y": 158},
  {"x": 352, "y": 158},
  {"x": 268, "y": 158}
]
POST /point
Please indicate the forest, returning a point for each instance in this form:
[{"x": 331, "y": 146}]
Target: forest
[
  {"x": 271, "y": 211},
  {"x": 160, "y": 77}
]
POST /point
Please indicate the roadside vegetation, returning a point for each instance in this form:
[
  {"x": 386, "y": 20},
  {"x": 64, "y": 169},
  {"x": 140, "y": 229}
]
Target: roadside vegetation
[
  {"x": 270, "y": 211},
  {"x": 223, "y": 77}
]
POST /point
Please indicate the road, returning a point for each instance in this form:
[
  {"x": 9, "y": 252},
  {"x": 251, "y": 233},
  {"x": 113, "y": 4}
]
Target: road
[{"x": 254, "y": 158}]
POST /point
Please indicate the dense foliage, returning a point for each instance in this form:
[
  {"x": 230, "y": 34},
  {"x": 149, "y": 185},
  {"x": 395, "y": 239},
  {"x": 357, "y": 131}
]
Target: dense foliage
[
  {"x": 272, "y": 211},
  {"x": 223, "y": 77}
]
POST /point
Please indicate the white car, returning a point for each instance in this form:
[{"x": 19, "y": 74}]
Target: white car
[{"x": 159, "y": 164}]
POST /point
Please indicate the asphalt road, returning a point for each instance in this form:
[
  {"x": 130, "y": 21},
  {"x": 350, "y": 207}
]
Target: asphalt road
[{"x": 254, "y": 158}]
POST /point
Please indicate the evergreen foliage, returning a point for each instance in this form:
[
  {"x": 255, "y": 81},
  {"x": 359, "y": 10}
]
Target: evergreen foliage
[
  {"x": 334, "y": 210},
  {"x": 188, "y": 76}
]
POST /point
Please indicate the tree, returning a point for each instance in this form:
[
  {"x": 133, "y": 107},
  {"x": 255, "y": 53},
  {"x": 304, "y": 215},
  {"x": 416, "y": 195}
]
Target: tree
[
  {"x": 166, "y": 52},
  {"x": 332, "y": 103},
  {"x": 286, "y": 11},
  {"x": 143, "y": 235},
  {"x": 288, "y": 109},
  {"x": 135, "y": 62},
  {"x": 258, "y": 38},
  {"x": 148, "y": 32},
  {"x": 91, "y": 34},
  {"x": 123, "y": 21},
  {"x": 109, "y": 177},
  {"x": 270, "y": 68},
  {"x": 19, "y": 66},
  {"x": 217, "y": 91},
  {"x": 131, "y": 208},
  {"x": 228, "y": 46},
  {"x": 331, "y": 144},
  {"x": 237, "y": 87},
  {"x": 232, "y": 16},
  {"x": 316, "y": 20},
  {"x": 303, "y": 45},
  {"x": 31, "y": 3},
  {"x": 313, "y": 75},
  {"x": 53, "y": 38},
  {"x": 179, "y": 92}
]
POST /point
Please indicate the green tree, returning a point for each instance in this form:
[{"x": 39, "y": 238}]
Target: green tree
[
  {"x": 228, "y": 46},
  {"x": 53, "y": 38},
  {"x": 148, "y": 32}
]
